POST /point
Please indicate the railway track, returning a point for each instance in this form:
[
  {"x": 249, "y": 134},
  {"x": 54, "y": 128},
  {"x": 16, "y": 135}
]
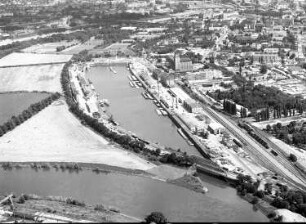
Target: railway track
[
  {"x": 256, "y": 150},
  {"x": 260, "y": 154},
  {"x": 284, "y": 157}
]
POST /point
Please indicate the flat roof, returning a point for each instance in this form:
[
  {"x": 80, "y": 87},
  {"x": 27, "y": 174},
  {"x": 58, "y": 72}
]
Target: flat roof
[{"x": 180, "y": 93}]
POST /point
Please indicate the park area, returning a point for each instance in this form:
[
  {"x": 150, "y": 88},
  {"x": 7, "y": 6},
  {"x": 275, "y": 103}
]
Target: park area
[
  {"x": 64, "y": 139},
  {"x": 116, "y": 48},
  {"x": 27, "y": 59},
  {"x": 31, "y": 78},
  {"x": 88, "y": 45},
  {"x": 49, "y": 47}
]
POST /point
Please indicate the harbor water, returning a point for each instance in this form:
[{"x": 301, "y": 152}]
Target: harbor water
[{"x": 132, "y": 111}]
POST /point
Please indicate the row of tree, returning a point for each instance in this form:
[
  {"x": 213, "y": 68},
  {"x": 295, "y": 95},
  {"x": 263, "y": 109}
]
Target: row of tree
[
  {"x": 294, "y": 200},
  {"x": 257, "y": 97},
  {"x": 293, "y": 133},
  {"x": 230, "y": 107},
  {"x": 126, "y": 141},
  {"x": 33, "y": 109}
]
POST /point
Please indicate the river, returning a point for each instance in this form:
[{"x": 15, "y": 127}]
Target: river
[
  {"x": 133, "y": 112},
  {"x": 136, "y": 196}
]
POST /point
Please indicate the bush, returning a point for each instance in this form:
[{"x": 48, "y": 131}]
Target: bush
[
  {"x": 255, "y": 200},
  {"x": 71, "y": 201},
  {"x": 259, "y": 194},
  {"x": 21, "y": 199},
  {"x": 7, "y": 165},
  {"x": 45, "y": 166},
  {"x": 156, "y": 217},
  {"x": 271, "y": 215},
  {"x": 100, "y": 207}
]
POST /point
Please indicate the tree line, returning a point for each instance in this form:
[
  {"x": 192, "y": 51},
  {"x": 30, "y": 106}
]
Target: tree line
[
  {"x": 294, "y": 200},
  {"x": 126, "y": 141},
  {"x": 294, "y": 133},
  {"x": 229, "y": 107},
  {"x": 270, "y": 101},
  {"x": 33, "y": 109}
]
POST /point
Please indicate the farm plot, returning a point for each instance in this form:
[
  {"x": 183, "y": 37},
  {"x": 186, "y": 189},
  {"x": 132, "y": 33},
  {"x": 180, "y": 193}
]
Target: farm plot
[
  {"x": 14, "y": 103},
  {"x": 31, "y": 78},
  {"x": 89, "y": 45},
  {"x": 27, "y": 59},
  {"x": 55, "y": 135},
  {"x": 117, "y": 48},
  {"x": 49, "y": 47}
]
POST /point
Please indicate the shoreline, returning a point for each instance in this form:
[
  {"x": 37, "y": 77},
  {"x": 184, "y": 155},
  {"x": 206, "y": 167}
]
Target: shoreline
[{"x": 180, "y": 181}]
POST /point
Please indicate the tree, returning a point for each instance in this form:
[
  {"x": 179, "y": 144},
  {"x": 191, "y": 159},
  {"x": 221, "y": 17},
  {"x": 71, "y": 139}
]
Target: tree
[
  {"x": 268, "y": 128},
  {"x": 156, "y": 217},
  {"x": 263, "y": 69},
  {"x": 292, "y": 157},
  {"x": 255, "y": 200}
]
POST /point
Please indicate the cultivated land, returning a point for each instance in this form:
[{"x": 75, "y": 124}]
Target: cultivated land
[
  {"x": 48, "y": 47},
  {"x": 55, "y": 135},
  {"x": 31, "y": 78},
  {"x": 89, "y": 45},
  {"x": 117, "y": 47},
  {"x": 23, "y": 59},
  {"x": 14, "y": 103}
]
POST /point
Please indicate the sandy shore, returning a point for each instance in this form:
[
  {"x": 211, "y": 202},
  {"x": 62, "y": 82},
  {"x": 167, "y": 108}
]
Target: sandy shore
[{"x": 55, "y": 135}]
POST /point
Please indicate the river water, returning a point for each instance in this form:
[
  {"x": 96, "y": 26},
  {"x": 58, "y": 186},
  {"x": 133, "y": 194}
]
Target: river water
[
  {"x": 132, "y": 111},
  {"x": 136, "y": 196}
]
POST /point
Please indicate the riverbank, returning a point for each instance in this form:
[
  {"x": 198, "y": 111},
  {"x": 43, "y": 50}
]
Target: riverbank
[{"x": 33, "y": 208}]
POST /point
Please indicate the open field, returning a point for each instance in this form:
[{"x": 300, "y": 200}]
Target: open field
[
  {"x": 89, "y": 45},
  {"x": 31, "y": 78},
  {"x": 20, "y": 59},
  {"x": 113, "y": 49},
  {"x": 55, "y": 135},
  {"x": 14, "y": 103},
  {"x": 48, "y": 47}
]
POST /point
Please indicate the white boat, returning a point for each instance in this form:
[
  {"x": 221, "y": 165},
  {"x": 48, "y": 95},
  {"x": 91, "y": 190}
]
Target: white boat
[
  {"x": 130, "y": 77},
  {"x": 132, "y": 84},
  {"x": 205, "y": 189},
  {"x": 181, "y": 133},
  {"x": 111, "y": 68},
  {"x": 104, "y": 101},
  {"x": 134, "y": 78},
  {"x": 138, "y": 84},
  {"x": 144, "y": 95},
  {"x": 158, "y": 112},
  {"x": 164, "y": 113}
]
